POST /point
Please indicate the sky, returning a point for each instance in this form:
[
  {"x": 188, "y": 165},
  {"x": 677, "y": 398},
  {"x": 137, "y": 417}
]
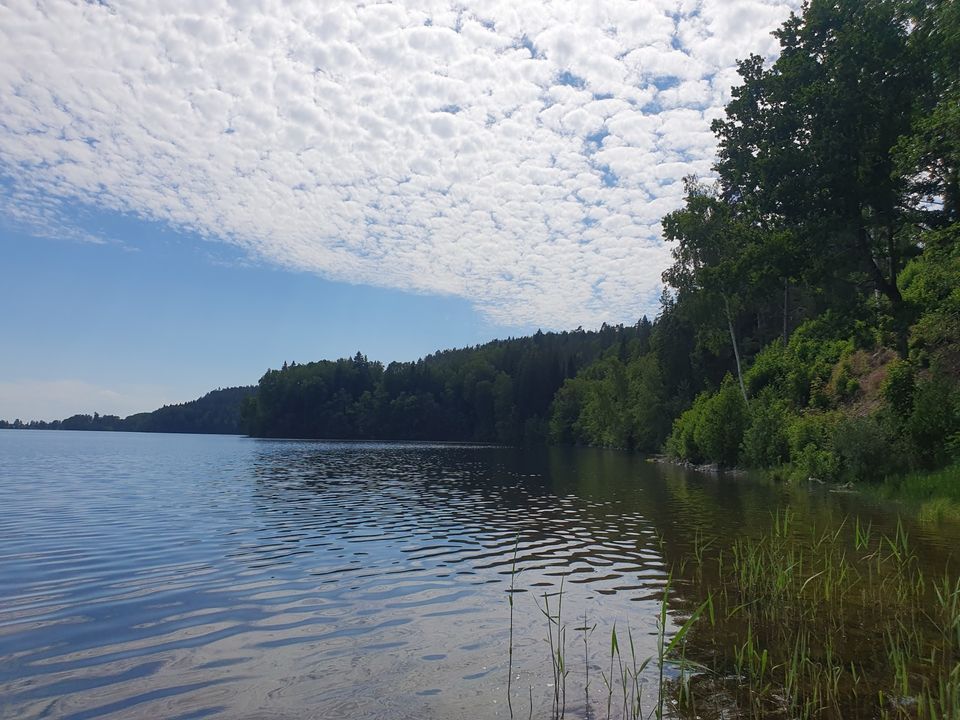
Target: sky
[{"x": 193, "y": 192}]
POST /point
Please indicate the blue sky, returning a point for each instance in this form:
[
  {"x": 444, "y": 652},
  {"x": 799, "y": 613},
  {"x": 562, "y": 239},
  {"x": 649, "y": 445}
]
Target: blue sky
[
  {"x": 166, "y": 316},
  {"x": 188, "y": 198}
]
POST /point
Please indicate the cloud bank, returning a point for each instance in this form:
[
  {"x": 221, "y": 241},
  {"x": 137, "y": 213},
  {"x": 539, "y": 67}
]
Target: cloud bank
[{"x": 519, "y": 154}]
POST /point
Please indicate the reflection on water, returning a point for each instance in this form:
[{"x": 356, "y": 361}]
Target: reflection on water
[{"x": 183, "y": 576}]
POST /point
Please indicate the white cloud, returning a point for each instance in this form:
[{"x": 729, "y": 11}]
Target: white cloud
[{"x": 519, "y": 154}]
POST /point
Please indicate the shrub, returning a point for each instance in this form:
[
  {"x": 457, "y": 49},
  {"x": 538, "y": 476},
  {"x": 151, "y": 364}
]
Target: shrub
[
  {"x": 719, "y": 428},
  {"x": 862, "y": 448},
  {"x": 898, "y": 388},
  {"x": 934, "y": 421},
  {"x": 815, "y": 351},
  {"x": 765, "y": 439},
  {"x": 770, "y": 368},
  {"x": 681, "y": 443},
  {"x": 810, "y": 438},
  {"x": 842, "y": 386}
]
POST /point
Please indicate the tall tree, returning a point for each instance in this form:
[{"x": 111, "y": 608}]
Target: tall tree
[
  {"x": 715, "y": 258},
  {"x": 929, "y": 157},
  {"x": 807, "y": 143}
]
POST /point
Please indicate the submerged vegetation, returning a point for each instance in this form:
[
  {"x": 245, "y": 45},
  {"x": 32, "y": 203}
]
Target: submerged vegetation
[
  {"x": 798, "y": 622},
  {"x": 827, "y": 623}
]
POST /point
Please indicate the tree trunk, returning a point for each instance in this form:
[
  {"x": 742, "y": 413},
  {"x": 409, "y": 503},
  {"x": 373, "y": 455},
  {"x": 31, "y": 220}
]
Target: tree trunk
[
  {"x": 736, "y": 350},
  {"x": 888, "y": 286}
]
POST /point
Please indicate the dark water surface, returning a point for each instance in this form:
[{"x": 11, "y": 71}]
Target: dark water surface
[{"x": 175, "y": 576}]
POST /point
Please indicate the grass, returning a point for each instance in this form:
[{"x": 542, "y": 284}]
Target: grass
[
  {"x": 922, "y": 486},
  {"x": 799, "y": 622},
  {"x": 838, "y": 623},
  {"x": 936, "y": 495},
  {"x": 624, "y": 679}
]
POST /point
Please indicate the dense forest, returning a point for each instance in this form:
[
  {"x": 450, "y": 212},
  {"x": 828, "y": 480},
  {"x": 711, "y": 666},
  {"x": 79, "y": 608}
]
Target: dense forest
[
  {"x": 811, "y": 317},
  {"x": 498, "y": 392},
  {"x": 216, "y": 412}
]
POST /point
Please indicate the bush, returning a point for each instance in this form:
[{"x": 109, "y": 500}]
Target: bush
[
  {"x": 863, "y": 449},
  {"x": 898, "y": 389},
  {"x": 712, "y": 429},
  {"x": 815, "y": 351},
  {"x": 765, "y": 439},
  {"x": 931, "y": 285},
  {"x": 770, "y": 368},
  {"x": 934, "y": 421},
  {"x": 810, "y": 438},
  {"x": 842, "y": 386},
  {"x": 681, "y": 443},
  {"x": 720, "y": 426}
]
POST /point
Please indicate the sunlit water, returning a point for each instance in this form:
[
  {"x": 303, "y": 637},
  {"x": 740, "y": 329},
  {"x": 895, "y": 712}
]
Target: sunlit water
[{"x": 184, "y": 576}]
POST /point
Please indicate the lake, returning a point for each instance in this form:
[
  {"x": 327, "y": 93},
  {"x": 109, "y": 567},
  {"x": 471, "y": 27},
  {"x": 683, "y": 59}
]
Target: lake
[{"x": 183, "y": 576}]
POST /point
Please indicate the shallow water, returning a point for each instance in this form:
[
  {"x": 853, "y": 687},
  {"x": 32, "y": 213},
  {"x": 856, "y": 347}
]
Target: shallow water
[{"x": 201, "y": 576}]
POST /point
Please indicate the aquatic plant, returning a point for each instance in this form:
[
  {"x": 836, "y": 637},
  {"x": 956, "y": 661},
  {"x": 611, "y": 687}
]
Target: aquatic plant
[{"x": 798, "y": 622}]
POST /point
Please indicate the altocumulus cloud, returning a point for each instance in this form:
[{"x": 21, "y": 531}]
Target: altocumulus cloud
[{"x": 519, "y": 154}]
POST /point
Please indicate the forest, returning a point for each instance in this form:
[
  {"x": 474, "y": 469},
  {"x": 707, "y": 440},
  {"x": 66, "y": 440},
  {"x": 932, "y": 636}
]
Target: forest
[
  {"x": 501, "y": 391},
  {"x": 810, "y": 320},
  {"x": 216, "y": 412}
]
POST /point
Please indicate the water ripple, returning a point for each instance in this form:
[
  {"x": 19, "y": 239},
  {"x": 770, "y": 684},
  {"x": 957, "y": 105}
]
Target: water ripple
[{"x": 180, "y": 576}]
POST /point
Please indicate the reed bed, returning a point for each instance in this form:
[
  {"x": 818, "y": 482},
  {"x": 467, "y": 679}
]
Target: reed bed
[{"x": 799, "y": 623}]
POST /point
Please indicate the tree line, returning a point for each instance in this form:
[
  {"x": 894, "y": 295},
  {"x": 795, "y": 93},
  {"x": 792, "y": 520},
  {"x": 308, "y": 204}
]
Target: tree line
[
  {"x": 216, "y": 412},
  {"x": 501, "y": 391}
]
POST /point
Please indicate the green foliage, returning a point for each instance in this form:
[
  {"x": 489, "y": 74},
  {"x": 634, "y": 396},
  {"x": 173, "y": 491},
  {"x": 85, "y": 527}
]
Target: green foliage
[
  {"x": 713, "y": 429},
  {"x": 774, "y": 368},
  {"x": 920, "y": 486},
  {"x": 565, "y": 427},
  {"x": 603, "y": 416},
  {"x": 648, "y": 416},
  {"x": 863, "y": 450},
  {"x": 719, "y": 430},
  {"x": 810, "y": 439},
  {"x": 830, "y": 159},
  {"x": 612, "y": 404},
  {"x": 931, "y": 284},
  {"x": 499, "y": 392},
  {"x": 898, "y": 389},
  {"x": 805, "y": 372},
  {"x": 219, "y": 411},
  {"x": 934, "y": 421},
  {"x": 765, "y": 438},
  {"x": 682, "y": 444},
  {"x": 842, "y": 385},
  {"x": 807, "y": 143},
  {"x": 815, "y": 350}
]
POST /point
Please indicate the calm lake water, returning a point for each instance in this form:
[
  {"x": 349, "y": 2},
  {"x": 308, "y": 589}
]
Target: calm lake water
[{"x": 182, "y": 576}]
